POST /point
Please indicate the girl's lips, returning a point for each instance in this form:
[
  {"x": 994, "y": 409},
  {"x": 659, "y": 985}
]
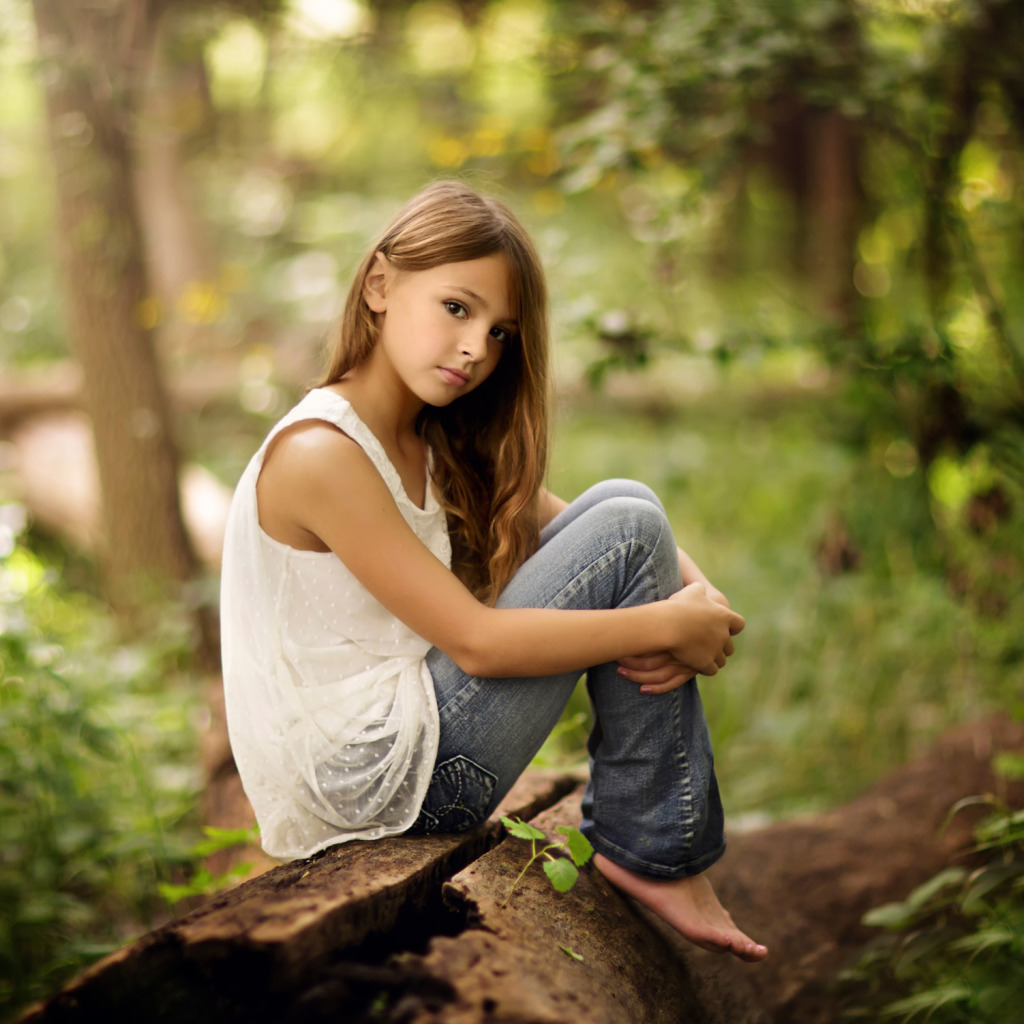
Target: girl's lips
[{"x": 454, "y": 377}]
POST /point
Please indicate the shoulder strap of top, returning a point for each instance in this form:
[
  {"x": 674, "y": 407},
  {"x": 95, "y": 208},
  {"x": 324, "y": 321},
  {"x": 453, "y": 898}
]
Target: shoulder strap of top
[{"x": 324, "y": 404}]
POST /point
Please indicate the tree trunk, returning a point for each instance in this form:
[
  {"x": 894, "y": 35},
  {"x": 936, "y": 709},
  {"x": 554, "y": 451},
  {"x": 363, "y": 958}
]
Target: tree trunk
[
  {"x": 832, "y": 215},
  {"x": 174, "y": 104},
  {"x": 91, "y": 58}
]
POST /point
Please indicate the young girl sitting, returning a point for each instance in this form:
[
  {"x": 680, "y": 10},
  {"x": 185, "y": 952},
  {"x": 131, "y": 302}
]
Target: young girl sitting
[{"x": 406, "y": 610}]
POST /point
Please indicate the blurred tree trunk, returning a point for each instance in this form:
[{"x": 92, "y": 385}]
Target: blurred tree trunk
[
  {"x": 174, "y": 104},
  {"x": 92, "y": 59},
  {"x": 831, "y": 215}
]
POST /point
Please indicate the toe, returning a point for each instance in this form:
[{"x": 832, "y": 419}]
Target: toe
[{"x": 751, "y": 952}]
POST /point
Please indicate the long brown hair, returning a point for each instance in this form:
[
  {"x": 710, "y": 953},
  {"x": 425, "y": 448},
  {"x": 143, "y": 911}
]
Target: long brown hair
[{"x": 489, "y": 447}]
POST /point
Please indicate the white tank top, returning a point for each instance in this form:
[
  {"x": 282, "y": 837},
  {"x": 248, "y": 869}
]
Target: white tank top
[{"x": 331, "y": 709}]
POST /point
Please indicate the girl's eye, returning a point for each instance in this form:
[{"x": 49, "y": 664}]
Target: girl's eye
[
  {"x": 501, "y": 334},
  {"x": 456, "y": 309}
]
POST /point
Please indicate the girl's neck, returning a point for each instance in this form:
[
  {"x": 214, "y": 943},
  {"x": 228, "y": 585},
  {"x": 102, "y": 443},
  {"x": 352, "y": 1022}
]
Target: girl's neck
[
  {"x": 385, "y": 405},
  {"x": 397, "y": 434}
]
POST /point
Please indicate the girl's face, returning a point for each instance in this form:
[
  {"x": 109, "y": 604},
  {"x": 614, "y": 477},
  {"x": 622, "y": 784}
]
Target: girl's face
[{"x": 443, "y": 330}]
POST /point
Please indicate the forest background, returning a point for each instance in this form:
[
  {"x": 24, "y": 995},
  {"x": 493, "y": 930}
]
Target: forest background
[{"x": 784, "y": 245}]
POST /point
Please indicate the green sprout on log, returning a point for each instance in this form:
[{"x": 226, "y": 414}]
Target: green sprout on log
[{"x": 561, "y": 872}]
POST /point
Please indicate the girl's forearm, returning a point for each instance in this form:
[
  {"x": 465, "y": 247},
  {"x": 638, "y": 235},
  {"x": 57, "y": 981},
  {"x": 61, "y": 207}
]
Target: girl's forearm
[{"x": 547, "y": 641}]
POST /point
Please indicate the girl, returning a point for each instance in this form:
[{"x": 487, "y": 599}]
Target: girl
[{"x": 406, "y": 609}]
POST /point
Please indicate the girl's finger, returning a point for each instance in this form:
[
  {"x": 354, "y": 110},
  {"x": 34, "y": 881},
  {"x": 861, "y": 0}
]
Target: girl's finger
[
  {"x": 658, "y": 675},
  {"x": 673, "y": 684}
]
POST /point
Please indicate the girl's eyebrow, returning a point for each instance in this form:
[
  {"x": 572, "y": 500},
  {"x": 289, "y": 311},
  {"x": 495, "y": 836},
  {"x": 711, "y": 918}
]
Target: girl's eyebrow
[
  {"x": 472, "y": 294},
  {"x": 479, "y": 299}
]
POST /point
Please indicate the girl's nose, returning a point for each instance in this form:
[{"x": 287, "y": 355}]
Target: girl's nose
[{"x": 474, "y": 345}]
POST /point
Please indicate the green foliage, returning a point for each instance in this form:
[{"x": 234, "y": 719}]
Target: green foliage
[
  {"x": 562, "y": 871},
  {"x": 202, "y": 882},
  {"x": 93, "y": 794},
  {"x": 688, "y": 81},
  {"x": 955, "y": 944},
  {"x": 703, "y": 116},
  {"x": 862, "y": 643}
]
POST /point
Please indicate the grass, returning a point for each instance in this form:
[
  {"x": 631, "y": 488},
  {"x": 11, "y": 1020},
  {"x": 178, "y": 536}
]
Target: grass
[{"x": 841, "y": 674}]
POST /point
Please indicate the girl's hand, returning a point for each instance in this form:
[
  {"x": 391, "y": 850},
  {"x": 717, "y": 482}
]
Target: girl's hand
[
  {"x": 706, "y": 629},
  {"x": 656, "y": 673},
  {"x": 691, "y": 573}
]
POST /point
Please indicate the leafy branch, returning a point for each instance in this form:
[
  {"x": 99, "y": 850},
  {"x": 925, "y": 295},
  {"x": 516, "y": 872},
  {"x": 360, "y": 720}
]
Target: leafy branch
[{"x": 561, "y": 872}]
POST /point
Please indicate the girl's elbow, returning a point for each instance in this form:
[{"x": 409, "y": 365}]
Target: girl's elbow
[
  {"x": 472, "y": 647},
  {"x": 474, "y": 661}
]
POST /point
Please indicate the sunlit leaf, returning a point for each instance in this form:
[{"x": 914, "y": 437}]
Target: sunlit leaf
[
  {"x": 562, "y": 873},
  {"x": 521, "y": 830},
  {"x": 580, "y": 848}
]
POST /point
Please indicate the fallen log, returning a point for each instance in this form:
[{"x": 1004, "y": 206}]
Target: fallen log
[
  {"x": 585, "y": 956},
  {"x": 198, "y": 381},
  {"x": 58, "y": 482},
  {"x": 361, "y": 934},
  {"x": 249, "y": 952},
  {"x": 801, "y": 887}
]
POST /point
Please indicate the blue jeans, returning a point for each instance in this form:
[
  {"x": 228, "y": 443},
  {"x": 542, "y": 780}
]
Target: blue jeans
[{"x": 652, "y": 803}]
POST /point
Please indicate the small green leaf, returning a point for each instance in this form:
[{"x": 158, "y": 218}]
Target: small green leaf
[
  {"x": 571, "y": 952},
  {"x": 926, "y": 892},
  {"x": 562, "y": 873},
  {"x": 985, "y": 939},
  {"x": 985, "y": 881},
  {"x": 521, "y": 830},
  {"x": 929, "y": 1000},
  {"x": 1009, "y": 765},
  {"x": 579, "y": 845},
  {"x": 921, "y": 945},
  {"x": 218, "y": 839},
  {"x": 889, "y": 915}
]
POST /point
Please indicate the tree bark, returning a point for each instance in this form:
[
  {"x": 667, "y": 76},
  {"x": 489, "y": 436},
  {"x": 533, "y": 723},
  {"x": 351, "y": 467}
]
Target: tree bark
[
  {"x": 92, "y": 59},
  {"x": 174, "y": 104},
  {"x": 832, "y": 214}
]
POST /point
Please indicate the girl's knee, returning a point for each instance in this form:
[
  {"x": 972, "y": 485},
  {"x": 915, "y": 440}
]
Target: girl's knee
[
  {"x": 621, "y": 487},
  {"x": 638, "y": 519}
]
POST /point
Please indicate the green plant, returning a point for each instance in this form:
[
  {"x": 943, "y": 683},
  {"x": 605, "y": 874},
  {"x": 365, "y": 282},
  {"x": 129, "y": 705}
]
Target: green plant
[
  {"x": 562, "y": 872},
  {"x": 97, "y": 775},
  {"x": 955, "y": 944},
  {"x": 202, "y": 881}
]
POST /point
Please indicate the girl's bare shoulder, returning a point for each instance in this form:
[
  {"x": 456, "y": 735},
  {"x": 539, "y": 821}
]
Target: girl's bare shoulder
[{"x": 303, "y": 470}]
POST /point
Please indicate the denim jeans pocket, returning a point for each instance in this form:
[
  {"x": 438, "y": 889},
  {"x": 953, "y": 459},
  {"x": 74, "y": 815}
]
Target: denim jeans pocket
[{"x": 458, "y": 798}]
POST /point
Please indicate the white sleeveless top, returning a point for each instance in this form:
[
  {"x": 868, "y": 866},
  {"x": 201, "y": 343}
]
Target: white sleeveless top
[{"x": 330, "y": 706}]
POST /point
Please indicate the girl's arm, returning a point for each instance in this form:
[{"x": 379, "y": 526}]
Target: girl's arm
[
  {"x": 319, "y": 486},
  {"x": 691, "y": 573},
  {"x": 548, "y": 506}
]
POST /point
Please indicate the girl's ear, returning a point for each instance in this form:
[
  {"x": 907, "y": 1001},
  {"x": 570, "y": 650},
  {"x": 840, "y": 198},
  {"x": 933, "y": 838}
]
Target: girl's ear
[{"x": 375, "y": 284}]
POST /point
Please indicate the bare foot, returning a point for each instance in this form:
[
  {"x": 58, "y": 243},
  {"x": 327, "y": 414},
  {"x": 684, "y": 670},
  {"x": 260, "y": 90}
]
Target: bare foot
[{"x": 690, "y": 906}]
